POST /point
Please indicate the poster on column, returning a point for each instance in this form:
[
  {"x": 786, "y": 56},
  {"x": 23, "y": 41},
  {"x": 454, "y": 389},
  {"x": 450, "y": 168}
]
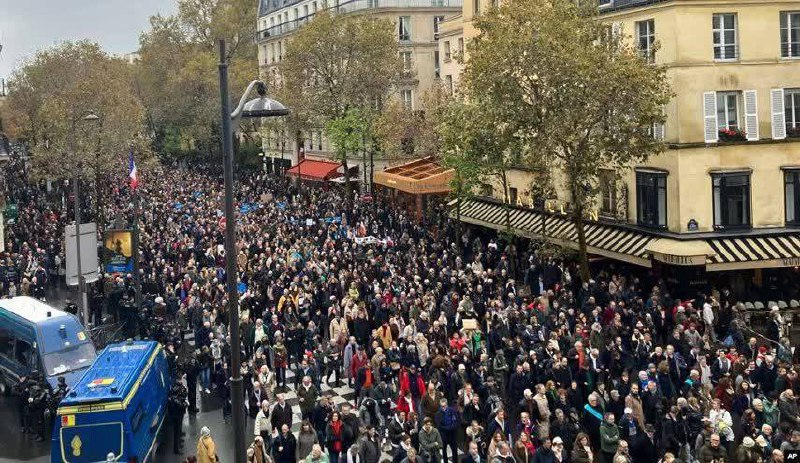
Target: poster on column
[{"x": 118, "y": 251}]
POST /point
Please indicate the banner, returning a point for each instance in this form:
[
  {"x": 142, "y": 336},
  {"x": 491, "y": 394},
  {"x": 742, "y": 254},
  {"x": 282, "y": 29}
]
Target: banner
[{"x": 118, "y": 251}]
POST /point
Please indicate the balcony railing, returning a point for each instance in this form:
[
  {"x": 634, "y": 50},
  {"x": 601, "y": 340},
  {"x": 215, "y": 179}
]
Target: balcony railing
[{"x": 353, "y": 6}]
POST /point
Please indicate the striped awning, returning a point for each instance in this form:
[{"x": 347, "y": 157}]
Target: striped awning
[
  {"x": 755, "y": 252},
  {"x": 605, "y": 240}
]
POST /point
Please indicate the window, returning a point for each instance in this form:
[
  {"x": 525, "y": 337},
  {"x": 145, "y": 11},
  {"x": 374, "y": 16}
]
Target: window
[
  {"x": 728, "y": 110},
  {"x": 448, "y": 82},
  {"x": 731, "y": 200},
  {"x": 408, "y": 99},
  {"x": 645, "y": 38},
  {"x": 792, "y": 178},
  {"x": 305, "y": 12},
  {"x": 272, "y": 53},
  {"x": 405, "y": 57},
  {"x": 447, "y": 54},
  {"x": 461, "y": 46},
  {"x": 513, "y": 195},
  {"x": 476, "y": 7},
  {"x": 280, "y": 53},
  {"x": 791, "y": 108},
  {"x": 651, "y": 199},
  {"x": 404, "y": 28},
  {"x": 436, "y": 21},
  {"x": 790, "y": 34},
  {"x": 725, "y": 37},
  {"x": 6, "y": 343},
  {"x": 608, "y": 192},
  {"x": 23, "y": 353},
  {"x": 314, "y": 7},
  {"x": 436, "y": 64}
]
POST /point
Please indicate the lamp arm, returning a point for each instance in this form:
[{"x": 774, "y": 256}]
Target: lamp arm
[{"x": 237, "y": 113}]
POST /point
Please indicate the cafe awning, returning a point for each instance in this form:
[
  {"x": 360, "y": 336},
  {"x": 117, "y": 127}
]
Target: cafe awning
[
  {"x": 715, "y": 251},
  {"x": 676, "y": 252},
  {"x": 318, "y": 171},
  {"x": 605, "y": 240},
  {"x": 746, "y": 252},
  {"x": 420, "y": 176}
]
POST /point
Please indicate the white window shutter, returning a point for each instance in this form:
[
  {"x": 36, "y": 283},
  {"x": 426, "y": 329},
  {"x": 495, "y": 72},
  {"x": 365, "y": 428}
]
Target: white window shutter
[
  {"x": 751, "y": 114},
  {"x": 616, "y": 30},
  {"x": 778, "y": 115},
  {"x": 658, "y": 131},
  {"x": 710, "y": 117}
]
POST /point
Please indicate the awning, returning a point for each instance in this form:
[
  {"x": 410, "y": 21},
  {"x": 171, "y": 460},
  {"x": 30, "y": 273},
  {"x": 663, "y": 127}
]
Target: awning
[
  {"x": 318, "y": 171},
  {"x": 676, "y": 252},
  {"x": 615, "y": 242},
  {"x": 421, "y": 176},
  {"x": 716, "y": 252},
  {"x": 737, "y": 253}
]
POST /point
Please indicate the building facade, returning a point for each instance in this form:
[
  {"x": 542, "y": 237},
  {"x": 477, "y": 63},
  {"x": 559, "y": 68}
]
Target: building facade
[
  {"x": 417, "y": 23},
  {"x": 725, "y": 194}
]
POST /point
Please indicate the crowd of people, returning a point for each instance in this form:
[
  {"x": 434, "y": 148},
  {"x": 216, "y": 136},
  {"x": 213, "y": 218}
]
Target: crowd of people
[{"x": 471, "y": 349}]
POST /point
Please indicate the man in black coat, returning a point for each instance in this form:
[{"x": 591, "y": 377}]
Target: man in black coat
[
  {"x": 281, "y": 414},
  {"x": 284, "y": 447}
]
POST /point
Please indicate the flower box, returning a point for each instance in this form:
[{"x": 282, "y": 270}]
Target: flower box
[{"x": 727, "y": 135}]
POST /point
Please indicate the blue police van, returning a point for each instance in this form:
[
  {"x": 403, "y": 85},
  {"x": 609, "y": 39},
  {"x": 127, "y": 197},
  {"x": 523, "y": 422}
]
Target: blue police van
[
  {"x": 117, "y": 407},
  {"x": 35, "y": 337}
]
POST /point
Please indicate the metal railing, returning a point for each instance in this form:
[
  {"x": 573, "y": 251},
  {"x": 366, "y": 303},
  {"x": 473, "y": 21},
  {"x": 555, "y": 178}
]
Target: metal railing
[{"x": 353, "y": 6}]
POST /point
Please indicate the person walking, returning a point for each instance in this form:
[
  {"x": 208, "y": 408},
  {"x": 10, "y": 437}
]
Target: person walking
[{"x": 206, "y": 449}]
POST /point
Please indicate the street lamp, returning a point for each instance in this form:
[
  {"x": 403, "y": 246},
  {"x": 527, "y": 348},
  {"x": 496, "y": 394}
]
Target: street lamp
[
  {"x": 258, "y": 107},
  {"x": 88, "y": 116}
]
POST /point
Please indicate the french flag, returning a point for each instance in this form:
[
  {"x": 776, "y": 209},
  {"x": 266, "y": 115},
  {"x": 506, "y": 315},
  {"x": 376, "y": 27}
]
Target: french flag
[{"x": 132, "y": 171}]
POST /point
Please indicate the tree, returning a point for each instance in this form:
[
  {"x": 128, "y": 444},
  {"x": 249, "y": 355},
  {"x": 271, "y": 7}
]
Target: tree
[
  {"x": 336, "y": 71},
  {"x": 569, "y": 89},
  {"x": 404, "y": 134},
  {"x": 49, "y": 97},
  {"x": 347, "y": 135},
  {"x": 176, "y": 74}
]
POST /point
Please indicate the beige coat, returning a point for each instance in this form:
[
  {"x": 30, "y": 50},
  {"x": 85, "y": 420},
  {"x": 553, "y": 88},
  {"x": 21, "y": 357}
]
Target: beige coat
[
  {"x": 337, "y": 329},
  {"x": 206, "y": 450}
]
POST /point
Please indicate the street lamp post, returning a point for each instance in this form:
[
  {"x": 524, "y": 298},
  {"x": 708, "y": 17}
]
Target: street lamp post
[
  {"x": 258, "y": 107},
  {"x": 87, "y": 117}
]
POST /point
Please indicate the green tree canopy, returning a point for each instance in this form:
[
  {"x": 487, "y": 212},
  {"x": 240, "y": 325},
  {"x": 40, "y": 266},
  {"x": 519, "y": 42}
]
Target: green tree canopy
[
  {"x": 52, "y": 92},
  {"x": 568, "y": 89},
  {"x": 177, "y": 71}
]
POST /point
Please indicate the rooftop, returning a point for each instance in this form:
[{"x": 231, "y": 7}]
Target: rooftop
[
  {"x": 30, "y": 308},
  {"x": 608, "y": 6},
  {"x": 345, "y": 6},
  {"x": 114, "y": 373}
]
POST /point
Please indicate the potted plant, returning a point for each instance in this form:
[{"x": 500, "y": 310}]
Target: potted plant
[{"x": 734, "y": 134}]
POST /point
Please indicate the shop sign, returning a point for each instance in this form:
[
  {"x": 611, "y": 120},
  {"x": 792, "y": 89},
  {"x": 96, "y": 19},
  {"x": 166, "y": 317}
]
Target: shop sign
[
  {"x": 792, "y": 262},
  {"x": 674, "y": 259}
]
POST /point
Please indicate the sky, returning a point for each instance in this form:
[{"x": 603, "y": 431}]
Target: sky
[{"x": 29, "y": 25}]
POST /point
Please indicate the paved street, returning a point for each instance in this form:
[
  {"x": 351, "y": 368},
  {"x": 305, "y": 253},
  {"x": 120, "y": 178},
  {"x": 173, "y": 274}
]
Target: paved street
[{"x": 21, "y": 447}]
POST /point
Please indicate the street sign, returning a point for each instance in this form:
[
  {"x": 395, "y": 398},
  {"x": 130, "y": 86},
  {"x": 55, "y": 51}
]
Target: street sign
[{"x": 89, "y": 260}]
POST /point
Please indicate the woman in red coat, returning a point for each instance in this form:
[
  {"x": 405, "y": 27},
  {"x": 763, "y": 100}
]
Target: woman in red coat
[{"x": 405, "y": 403}]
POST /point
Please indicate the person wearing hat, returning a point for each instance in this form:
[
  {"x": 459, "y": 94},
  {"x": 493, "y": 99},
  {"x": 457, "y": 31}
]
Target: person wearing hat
[
  {"x": 206, "y": 449},
  {"x": 747, "y": 452}
]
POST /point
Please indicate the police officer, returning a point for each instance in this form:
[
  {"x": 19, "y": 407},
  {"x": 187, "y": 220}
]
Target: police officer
[
  {"x": 38, "y": 403},
  {"x": 176, "y": 410},
  {"x": 22, "y": 392},
  {"x": 192, "y": 368}
]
